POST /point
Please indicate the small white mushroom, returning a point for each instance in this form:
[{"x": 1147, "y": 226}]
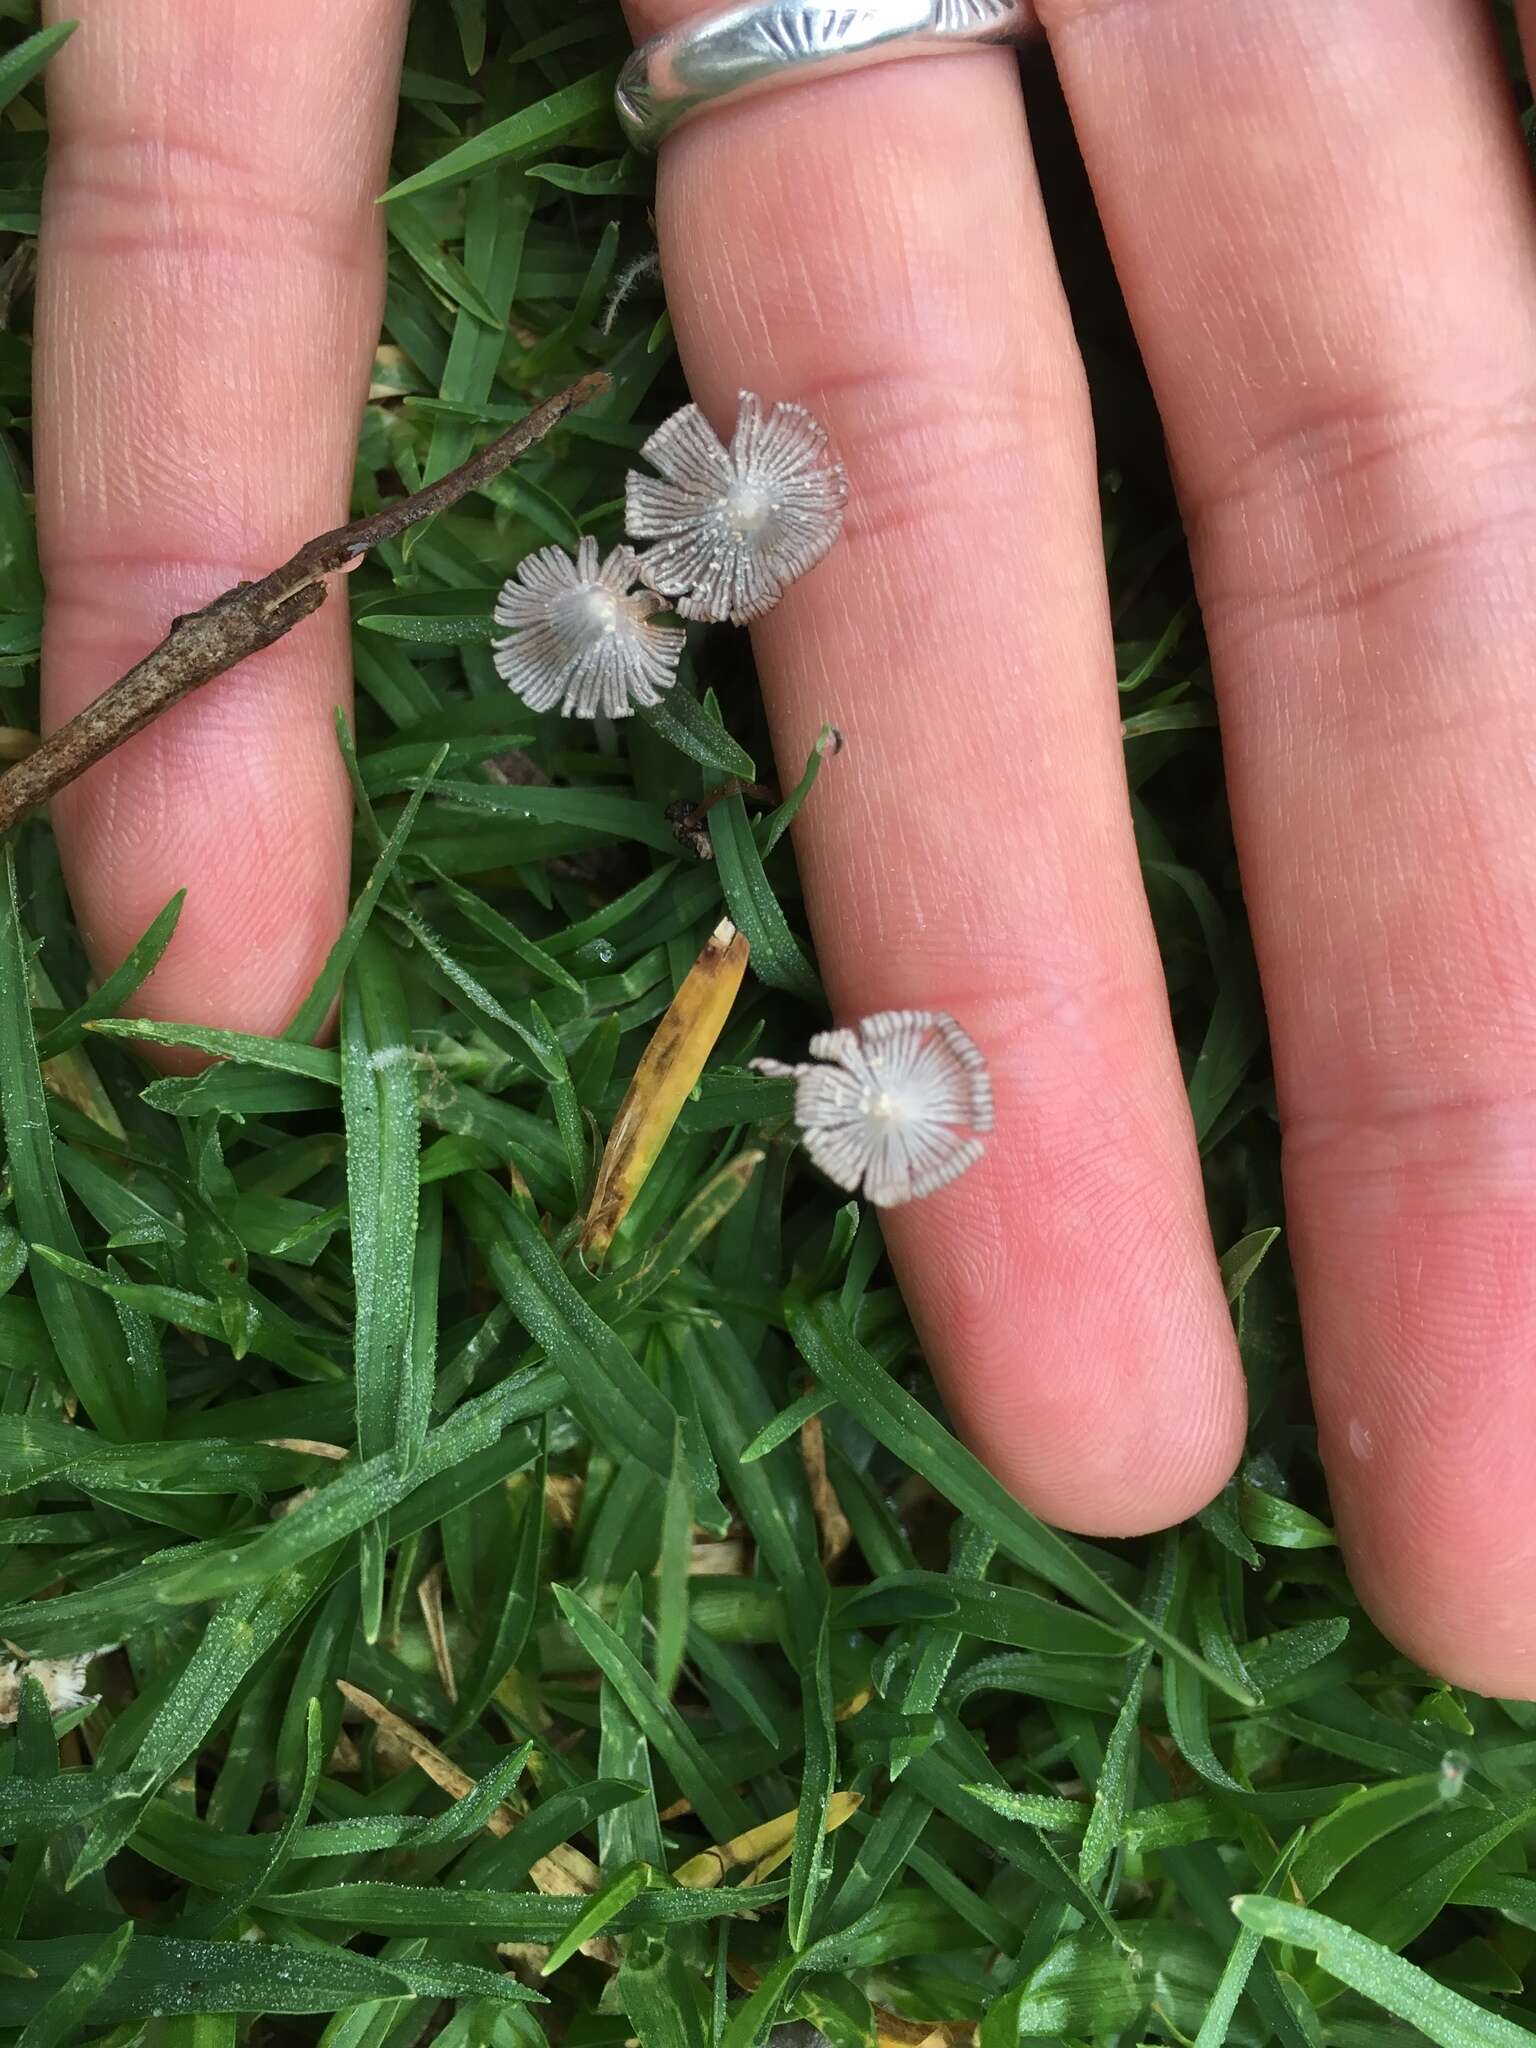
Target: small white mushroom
[
  {"x": 896, "y": 1106},
  {"x": 735, "y": 526},
  {"x": 582, "y": 636}
]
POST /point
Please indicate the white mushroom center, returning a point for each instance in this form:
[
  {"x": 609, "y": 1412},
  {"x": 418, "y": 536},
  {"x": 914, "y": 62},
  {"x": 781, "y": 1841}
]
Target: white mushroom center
[
  {"x": 885, "y": 1109},
  {"x": 597, "y": 610},
  {"x": 747, "y": 509}
]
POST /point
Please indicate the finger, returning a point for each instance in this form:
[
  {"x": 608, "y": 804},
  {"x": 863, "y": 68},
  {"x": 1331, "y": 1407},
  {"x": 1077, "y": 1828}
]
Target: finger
[
  {"x": 874, "y": 245},
  {"x": 1326, "y": 234},
  {"x": 210, "y": 290}
]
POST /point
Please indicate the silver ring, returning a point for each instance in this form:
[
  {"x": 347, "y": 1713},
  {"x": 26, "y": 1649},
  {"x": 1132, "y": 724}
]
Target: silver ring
[{"x": 774, "y": 42}]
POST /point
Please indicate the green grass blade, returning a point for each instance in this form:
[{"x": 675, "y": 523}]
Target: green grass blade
[
  {"x": 891, "y": 1415},
  {"x": 1216, "y": 2025},
  {"x": 85, "y": 1333},
  {"x": 59, "y": 2021},
  {"x": 378, "y": 1094},
  {"x": 663, "y": 1999},
  {"x": 362, "y": 1492},
  {"x": 18, "y": 68},
  {"x": 316, "y": 1006},
  {"x": 1359, "y": 1821},
  {"x": 462, "y": 1821},
  {"x": 972, "y": 1552},
  {"x": 777, "y": 956},
  {"x": 419, "y": 1383},
  {"x": 787, "y": 1424},
  {"x": 632, "y": 1834},
  {"x": 620, "y": 1405},
  {"x": 534, "y": 128},
  {"x": 240, "y": 1634},
  {"x": 1115, "y": 1792},
  {"x": 807, "y": 1870},
  {"x": 124, "y": 981},
  {"x": 276, "y": 1055},
  {"x": 503, "y": 932},
  {"x": 1397, "y": 1985},
  {"x": 509, "y": 1618},
  {"x": 166, "y": 1975},
  {"x": 618, "y": 1892},
  {"x": 672, "y": 1570},
  {"x": 718, "y": 1806},
  {"x": 685, "y": 724},
  {"x": 234, "y": 1903}
]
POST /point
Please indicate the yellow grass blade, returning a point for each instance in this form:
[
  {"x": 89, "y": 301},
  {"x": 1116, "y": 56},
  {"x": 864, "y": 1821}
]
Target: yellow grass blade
[
  {"x": 767, "y": 1844},
  {"x": 666, "y": 1076}
]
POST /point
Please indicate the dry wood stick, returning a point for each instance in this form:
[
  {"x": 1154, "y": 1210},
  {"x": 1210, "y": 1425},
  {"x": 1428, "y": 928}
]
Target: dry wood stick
[{"x": 204, "y": 644}]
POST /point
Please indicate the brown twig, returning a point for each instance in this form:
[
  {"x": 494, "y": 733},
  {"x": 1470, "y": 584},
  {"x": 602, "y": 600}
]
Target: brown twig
[
  {"x": 207, "y": 643},
  {"x": 688, "y": 815}
]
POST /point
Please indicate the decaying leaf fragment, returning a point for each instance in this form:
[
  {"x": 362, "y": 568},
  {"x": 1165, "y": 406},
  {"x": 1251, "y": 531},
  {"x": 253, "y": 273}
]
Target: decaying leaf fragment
[
  {"x": 429, "y": 1596},
  {"x": 666, "y": 1076},
  {"x": 62, "y": 1680},
  {"x": 564, "y": 1873},
  {"x": 764, "y": 1847},
  {"x": 836, "y": 1533},
  {"x": 414, "y": 1747}
]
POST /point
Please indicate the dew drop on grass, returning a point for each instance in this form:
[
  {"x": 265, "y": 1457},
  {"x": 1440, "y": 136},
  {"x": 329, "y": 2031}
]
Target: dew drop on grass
[{"x": 1453, "y": 1773}]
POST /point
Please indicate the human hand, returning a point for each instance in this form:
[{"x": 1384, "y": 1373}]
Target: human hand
[
  {"x": 1328, "y": 248},
  {"x": 1323, "y": 223}
]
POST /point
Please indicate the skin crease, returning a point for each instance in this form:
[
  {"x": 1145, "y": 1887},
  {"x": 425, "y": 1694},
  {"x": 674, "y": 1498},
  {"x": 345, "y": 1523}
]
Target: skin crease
[{"x": 1324, "y": 229}]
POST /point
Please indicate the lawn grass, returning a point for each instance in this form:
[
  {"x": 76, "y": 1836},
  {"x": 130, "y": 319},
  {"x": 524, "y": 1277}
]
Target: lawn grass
[{"x": 643, "y": 1643}]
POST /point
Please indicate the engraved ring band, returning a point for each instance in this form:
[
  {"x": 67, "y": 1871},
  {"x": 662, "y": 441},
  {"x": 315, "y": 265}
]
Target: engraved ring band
[{"x": 771, "y": 43}]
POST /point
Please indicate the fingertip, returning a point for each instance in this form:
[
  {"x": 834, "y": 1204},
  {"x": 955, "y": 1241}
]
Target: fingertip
[
  {"x": 1100, "y": 1419},
  {"x": 1446, "y": 1570},
  {"x": 1415, "y": 1246},
  {"x": 1464, "y": 1639},
  {"x": 244, "y": 959},
  {"x": 1069, "y": 1301},
  {"x": 240, "y": 797}
]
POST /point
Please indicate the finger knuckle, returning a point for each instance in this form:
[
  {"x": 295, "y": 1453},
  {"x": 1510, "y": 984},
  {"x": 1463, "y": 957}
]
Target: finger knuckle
[{"x": 1379, "y": 496}]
